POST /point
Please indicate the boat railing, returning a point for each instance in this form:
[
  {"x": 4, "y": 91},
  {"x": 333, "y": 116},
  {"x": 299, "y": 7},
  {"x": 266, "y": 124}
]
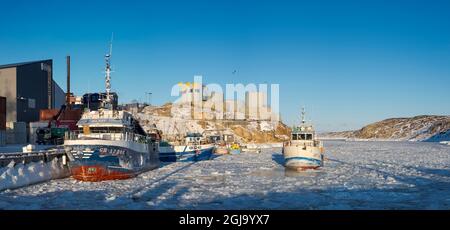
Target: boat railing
[
  {"x": 304, "y": 143},
  {"x": 106, "y": 135}
]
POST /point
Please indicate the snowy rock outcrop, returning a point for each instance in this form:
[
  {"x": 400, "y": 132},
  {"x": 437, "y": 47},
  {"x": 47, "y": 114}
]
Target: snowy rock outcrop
[
  {"x": 419, "y": 128},
  {"x": 178, "y": 121}
]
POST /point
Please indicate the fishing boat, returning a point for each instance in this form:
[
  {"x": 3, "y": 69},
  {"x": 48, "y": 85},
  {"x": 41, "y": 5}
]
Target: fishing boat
[
  {"x": 235, "y": 148},
  {"x": 194, "y": 147},
  {"x": 109, "y": 144},
  {"x": 445, "y": 142},
  {"x": 221, "y": 148},
  {"x": 221, "y": 139},
  {"x": 251, "y": 148},
  {"x": 304, "y": 150}
]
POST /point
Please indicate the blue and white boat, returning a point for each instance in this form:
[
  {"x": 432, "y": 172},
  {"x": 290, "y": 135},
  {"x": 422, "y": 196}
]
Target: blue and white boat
[
  {"x": 109, "y": 144},
  {"x": 194, "y": 148}
]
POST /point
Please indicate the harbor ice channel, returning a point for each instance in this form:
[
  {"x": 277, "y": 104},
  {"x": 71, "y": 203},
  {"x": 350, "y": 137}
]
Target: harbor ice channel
[{"x": 356, "y": 175}]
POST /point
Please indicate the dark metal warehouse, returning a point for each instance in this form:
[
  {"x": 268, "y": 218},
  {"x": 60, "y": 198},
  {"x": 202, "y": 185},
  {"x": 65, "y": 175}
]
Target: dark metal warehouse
[{"x": 28, "y": 88}]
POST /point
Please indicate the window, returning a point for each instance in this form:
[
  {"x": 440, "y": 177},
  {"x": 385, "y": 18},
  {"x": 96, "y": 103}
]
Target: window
[
  {"x": 105, "y": 129},
  {"x": 94, "y": 98},
  {"x": 305, "y": 137},
  {"x": 31, "y": 103},
  {"x": 294, "y": 137}
]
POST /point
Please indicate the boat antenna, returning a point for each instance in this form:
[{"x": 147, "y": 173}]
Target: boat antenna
[
  {"x": 89, "y": 94},
  {"x": 303, "y": 115},
  {"x": 108, "y": 56}
]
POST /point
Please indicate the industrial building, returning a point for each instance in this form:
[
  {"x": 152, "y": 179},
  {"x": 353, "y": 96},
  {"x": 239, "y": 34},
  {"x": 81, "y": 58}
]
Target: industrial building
[
  {"x": 2, "y": 121},
  {"x": 28, "y": 88},
  {"x": 2, "y": 113}
]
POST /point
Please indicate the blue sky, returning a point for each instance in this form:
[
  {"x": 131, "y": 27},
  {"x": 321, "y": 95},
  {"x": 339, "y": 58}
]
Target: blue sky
[{"x": 349, "y": 62}]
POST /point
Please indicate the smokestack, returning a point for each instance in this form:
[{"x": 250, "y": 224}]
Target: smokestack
[{"x": 68, "y": 81}]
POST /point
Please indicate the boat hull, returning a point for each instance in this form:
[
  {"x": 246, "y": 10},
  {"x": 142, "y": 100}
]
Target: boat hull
[
  {"x": 100, "y": 172},
  {"x": 103, "y": 162},
  {"x": 185, "y": 153},
  {"x": 221, "y": 150},
  {"x": 300, "y": 158},
  {"x": 235, "y": 151}
]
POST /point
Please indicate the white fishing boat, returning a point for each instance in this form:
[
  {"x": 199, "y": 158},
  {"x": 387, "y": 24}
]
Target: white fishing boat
[{"x": 304, "y": 150}]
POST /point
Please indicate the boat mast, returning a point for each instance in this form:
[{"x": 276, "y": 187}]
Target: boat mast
[
  {"x": 107, "y": 101},
  {"x": 303, "y": 115}
]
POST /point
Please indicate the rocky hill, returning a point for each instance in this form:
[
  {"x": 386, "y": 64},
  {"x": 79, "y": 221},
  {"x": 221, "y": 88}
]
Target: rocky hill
[
  {"x": 419, "y": 128},
  {"x": 176, "y": 122}
]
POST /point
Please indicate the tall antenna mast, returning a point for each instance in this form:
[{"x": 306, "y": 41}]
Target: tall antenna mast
[
  {"x": 108, "y": 74},
  {"x": 303, "y": 115}
]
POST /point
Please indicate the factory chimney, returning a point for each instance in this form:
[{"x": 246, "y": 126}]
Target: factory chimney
[{"x": 68, "y": 81}]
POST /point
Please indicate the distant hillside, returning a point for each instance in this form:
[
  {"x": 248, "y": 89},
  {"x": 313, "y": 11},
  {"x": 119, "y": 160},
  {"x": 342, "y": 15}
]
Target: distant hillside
[
  {"x": 178, "y": 124},
  {"x": 419, "y": 128}
]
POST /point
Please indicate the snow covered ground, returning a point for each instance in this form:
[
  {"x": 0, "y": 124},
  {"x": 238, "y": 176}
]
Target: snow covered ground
[
  {"x": 357, "y": 175},
  {"x": 19, "y": 175}
]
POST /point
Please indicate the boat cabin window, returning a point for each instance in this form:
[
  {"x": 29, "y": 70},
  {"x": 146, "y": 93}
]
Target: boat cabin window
[
  {"x": 302, "y": 137},
  {"x": 105, "y": 129}
]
